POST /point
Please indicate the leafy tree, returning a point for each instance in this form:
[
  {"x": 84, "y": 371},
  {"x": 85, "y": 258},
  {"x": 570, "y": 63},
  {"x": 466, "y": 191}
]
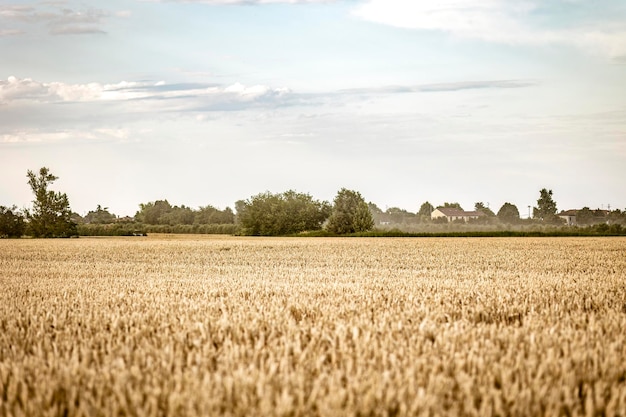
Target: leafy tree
[
  {"x": 51, "y": 214},
  {"x": 268, "y": 214},
  {"x": 11, "y": 222},
  {"x": 350, "y": 213},
  {"x": 508, "y": 213},
  {"x": 151, "y": 213},
  {"x": 546, "y": 207},
  {"x": 100, "y": 216},
  {"x": 212, "y": 215},
  {"x": 426, "y": 210},
  {"x": 178, "y": 215},
  {"x": 480, "y": 206}
]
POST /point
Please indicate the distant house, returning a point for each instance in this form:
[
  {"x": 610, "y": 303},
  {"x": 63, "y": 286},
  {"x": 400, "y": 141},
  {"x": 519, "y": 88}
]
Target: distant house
[
  {"x": 451, "y": 214},
  {"x": 591, "y": 217},
  {"x": 569, "y": 216}
]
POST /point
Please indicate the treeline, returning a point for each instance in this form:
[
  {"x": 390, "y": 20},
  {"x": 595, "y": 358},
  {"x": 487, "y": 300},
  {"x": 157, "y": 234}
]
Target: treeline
[{"x": 292, "y": 213}]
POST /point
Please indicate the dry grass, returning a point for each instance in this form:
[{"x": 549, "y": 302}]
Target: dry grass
[{"x": 258, "y": 326}]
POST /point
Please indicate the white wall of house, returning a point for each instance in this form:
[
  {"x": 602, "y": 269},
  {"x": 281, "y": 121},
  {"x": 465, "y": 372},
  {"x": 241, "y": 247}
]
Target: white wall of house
[{"x": 436, "y": 214}]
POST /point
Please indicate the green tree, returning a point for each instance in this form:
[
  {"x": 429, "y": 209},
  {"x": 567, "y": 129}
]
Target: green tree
[
  {"x": 508, "y": 213},
  {"x": 11, "y": 222},
  {"x": 480, "y": 206},
  {"x": 426, "y": 210},
  {"x": 546, "y": 208},
  {"x": 350, "y": 213},
  {"x": 268, "y": 214},
  {"x": 51, "y": 213},
  {"x": 100, "y": 216},
  {"x": 212, "y": 215},
  {"x": 178, "y": 215},
  {"x": 153, "y": 213}
]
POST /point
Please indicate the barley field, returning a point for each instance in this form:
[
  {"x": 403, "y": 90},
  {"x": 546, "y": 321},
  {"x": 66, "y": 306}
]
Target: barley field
[{"x": 234, "y": 326}]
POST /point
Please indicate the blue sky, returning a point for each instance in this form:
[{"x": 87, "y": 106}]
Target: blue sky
[{"x": 210, "y": 102}]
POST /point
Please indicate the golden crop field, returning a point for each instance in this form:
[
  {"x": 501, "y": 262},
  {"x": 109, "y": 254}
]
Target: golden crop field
[{"x": 234, "y": 326}]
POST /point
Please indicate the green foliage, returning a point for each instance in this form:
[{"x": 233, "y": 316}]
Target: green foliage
[
  {"x": 178, "y": 215},
  {"x": 51, "y": 214},
  {"x": 546, "y": 208},
  {"x": 153, "y": 213},
  {"x": 549, "y": 231},
  {"x": 111, "y": 229},
  {"x": 161, "y": 212},
  {"x": 11, "y": 222},
  {"x": 508, "y": 213},
  {"x": 100, "y": 216},
  {"x": 350, "y": 214},
  {"x": 211, "y": 215},
  {"x": 425, "y": 210},
  {"x": 139, "y": 229},
  {"x": 480, "y": 206},
  {"x": 268, "y": 214}
]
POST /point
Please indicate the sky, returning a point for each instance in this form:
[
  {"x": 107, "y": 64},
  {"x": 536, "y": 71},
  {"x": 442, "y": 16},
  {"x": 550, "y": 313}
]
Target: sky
[{"x": 212, "y": 101}]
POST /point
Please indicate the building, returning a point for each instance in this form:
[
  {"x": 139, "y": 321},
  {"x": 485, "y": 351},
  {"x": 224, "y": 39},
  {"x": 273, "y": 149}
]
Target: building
[
  {"x": 584, "y": 216},
  {"x": 452, "y": 214},
  {"x": 569, "y": 216}
]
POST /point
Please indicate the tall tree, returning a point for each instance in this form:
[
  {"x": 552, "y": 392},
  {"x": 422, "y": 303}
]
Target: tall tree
[
  {"x": 546, "y": 207},
  {"x": 350, "y": 213},
  {"x": 425, "y": 210},
  {"x": 508, "y": 213},
  {"x": 51, "y": 213}
]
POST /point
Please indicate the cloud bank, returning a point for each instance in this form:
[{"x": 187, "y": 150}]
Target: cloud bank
[
  {"x": 15, "y": 91},
  {"x": 531, "y": 22}
]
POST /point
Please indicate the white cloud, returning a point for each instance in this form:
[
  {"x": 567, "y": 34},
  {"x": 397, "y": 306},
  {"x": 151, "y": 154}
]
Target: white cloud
[
  {"x": 15, "y": 90},
  {"x": 501, "y": 21}
]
